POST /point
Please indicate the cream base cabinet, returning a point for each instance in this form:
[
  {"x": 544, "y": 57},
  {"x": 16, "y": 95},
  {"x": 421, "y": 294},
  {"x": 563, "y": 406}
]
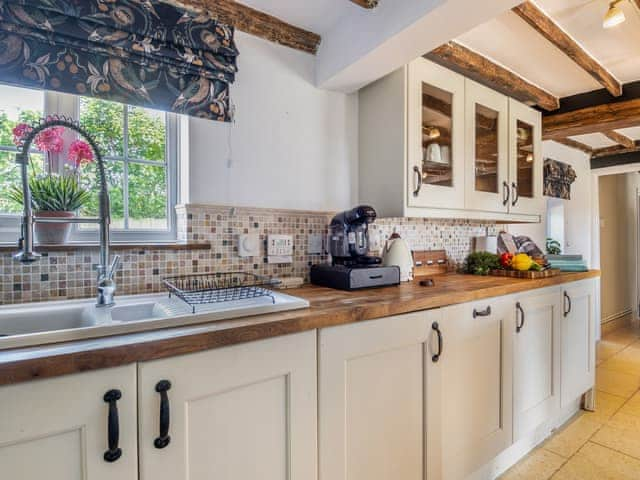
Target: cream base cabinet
[
  {"x": 57, "y": 429},
  {"x": 246, "y": 411},
  {"x": 470, "y": 388},
  {"x": 578, "y": 340},
  {"x": 536, "y": 354},
  {"x": 372, "y": 399}
]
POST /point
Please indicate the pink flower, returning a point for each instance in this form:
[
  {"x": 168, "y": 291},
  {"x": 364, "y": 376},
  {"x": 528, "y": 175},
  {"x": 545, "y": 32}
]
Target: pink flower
[
  {"x": 80, "y": 152},
  {"x": 19, "y": 132},
  {"x": 50, "y": 140}
]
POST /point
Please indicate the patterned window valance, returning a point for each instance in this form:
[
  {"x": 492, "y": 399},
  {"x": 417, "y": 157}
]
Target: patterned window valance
[
  {"x": 138, "y": 52},
  {"x": 558, "y": 178}
]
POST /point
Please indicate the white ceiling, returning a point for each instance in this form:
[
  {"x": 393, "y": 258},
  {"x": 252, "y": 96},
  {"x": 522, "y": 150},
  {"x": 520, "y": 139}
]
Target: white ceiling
[
  {"x": 594, "y": 140},
  {"x": 510, "y": 41},
  {"x": 317, "y": 16}
]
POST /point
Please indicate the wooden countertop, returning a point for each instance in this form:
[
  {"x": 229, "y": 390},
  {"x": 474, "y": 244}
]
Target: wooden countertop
[{"x": 328, "y": 308}]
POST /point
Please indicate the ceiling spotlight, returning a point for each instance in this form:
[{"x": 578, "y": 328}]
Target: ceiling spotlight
[{"x": 614, "y": 16}]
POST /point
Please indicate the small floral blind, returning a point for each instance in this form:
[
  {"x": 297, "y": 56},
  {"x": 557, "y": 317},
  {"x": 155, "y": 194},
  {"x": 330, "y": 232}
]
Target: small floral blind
[
  {"x": 558, "y": 178},
  {"x": 139, "y": 52}
]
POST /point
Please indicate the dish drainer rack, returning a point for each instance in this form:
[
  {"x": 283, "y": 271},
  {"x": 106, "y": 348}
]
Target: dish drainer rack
[{"x": 208, "y": 288}]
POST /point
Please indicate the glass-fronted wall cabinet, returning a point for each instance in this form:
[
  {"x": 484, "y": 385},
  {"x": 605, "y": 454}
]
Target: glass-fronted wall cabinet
[
  {"x": 487, "y": 145},
  {"x": 435, "y": 137}
]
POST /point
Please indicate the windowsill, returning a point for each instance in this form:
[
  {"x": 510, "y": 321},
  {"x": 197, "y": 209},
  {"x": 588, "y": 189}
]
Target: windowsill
[{"x": 74, "y": 246}]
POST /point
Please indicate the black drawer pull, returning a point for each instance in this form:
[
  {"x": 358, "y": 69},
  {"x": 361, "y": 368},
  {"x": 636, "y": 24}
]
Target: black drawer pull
[
  {"x": 482, "y": 313},
  {"x": 113, "y": 426},
  {"x": 567, "y": 302},
  {"x": 505, "y": 193},
  {"x": 436, "y": 328},
  {"x": 522, "y": 317},
  {"x": 164, "y": 439}
]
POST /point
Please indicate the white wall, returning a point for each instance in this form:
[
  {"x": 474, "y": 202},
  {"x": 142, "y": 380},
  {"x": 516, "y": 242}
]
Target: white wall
[
  {"x": 292, "y": 145},
  {"x": 577, "y": 211}
]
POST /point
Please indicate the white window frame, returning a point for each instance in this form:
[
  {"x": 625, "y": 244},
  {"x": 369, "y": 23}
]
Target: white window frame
[{"x": 69, "y": 105}]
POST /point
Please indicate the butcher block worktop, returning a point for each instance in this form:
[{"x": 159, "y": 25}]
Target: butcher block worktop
[{"x": 328, "y": 308}]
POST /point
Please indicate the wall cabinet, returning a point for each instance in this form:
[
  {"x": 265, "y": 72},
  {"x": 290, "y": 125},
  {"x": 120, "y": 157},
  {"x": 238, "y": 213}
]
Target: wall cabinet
[
  {"x": 372, "y": 399},
  {"x": 536, "y": 360},
  {"x": 433, "y": 143},
  {"x": 245, "y": 411},
  {"x": 58, "y": 428},
  {"x": 578, "y": 340},
  {"x": 470, "y": 388}
]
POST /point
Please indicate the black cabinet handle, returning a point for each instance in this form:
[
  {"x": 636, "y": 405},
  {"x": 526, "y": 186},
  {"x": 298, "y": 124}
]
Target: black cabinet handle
[
  {"x": 113, "y": 426},
  {"x": 516, "y": 195},
  {"x": 567, "y": 302},
  {"x": 436, "y": 328},
  {"x": 417, "y": 170},
  {"x": 522, "y": 317},
  {"x": 482, "y": 313},
  {"x": 505, "y": 193},
  {"x": 164, "y": 439}
]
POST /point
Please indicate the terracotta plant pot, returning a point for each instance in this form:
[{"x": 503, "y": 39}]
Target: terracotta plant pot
[{"x": 52, "y": 233}]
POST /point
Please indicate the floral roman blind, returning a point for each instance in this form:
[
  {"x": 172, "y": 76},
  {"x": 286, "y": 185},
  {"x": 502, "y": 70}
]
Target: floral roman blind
[
  {"x": 140, "y": 52},
  {"x": 558, "y": 177}
]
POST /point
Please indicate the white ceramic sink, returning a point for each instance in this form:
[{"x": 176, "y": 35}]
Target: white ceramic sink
[{"x": 50, "y": 322}]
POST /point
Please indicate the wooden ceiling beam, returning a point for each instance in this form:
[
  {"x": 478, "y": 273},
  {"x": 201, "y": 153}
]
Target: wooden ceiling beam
[
  {"x": 616, "y": 150},
  {"x": 619, "y": 138},
  {"x": 255, "y": 22},
  {"x": 599, "y": 118},
  {"x": 456, "y": 57},
  {"x": 574, "y": 144},
  {"x": 366, "y": 3},
  {"x": 567, "y": 45}
]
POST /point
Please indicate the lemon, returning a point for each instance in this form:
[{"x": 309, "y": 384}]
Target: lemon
[{"x": 521, "y": 262}]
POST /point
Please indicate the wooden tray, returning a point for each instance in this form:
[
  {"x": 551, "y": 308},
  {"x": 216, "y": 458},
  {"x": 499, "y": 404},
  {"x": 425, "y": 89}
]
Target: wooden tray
[{"x": 552, "y": 272}]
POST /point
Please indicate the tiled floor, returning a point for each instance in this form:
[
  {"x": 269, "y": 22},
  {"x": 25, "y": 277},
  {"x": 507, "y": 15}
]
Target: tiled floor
[{"x": 603, "y": 445}]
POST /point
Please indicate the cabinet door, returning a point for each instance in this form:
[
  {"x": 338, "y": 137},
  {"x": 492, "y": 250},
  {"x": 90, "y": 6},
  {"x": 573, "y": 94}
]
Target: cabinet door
[
  {"x": 246, "y": 411},
  {"x": 58, "y": 428},
  {"x": 470, "y": 389},
  {"x": 487, "y": 149},
  {"x": 371, "y": 399},
  {"x": 435, "y": 131},
  {"x": 578, "y": 341},
  {"x": 525, "y": 159},
  {"x": 536, "y": 368}
]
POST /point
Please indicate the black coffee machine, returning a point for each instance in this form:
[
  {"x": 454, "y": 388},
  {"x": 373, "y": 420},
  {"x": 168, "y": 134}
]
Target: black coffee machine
[{"x": 352, "y": 268}]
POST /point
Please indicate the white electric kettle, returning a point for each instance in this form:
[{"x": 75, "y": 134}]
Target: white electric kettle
[{"x": 397, "y": 252}]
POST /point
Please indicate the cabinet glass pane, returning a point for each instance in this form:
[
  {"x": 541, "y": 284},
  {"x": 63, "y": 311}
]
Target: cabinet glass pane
[
  {"x": 525, "y": 159},
  {"x": 486, "y": 161},
  {"x": 437, "y": 154}
]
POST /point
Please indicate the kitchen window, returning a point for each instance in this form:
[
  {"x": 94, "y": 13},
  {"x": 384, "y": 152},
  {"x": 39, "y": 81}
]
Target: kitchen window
[{"x": 139, "y": 147}]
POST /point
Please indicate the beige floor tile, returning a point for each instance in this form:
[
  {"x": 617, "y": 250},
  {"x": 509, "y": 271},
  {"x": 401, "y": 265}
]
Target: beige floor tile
[
  {"x": 625, "y": 335},
  {"x": 594, "y": 462},
  {"x": 606, "y": 406},
  {"x": 573, "y": 435},
  {"x": 605, "y": 350},
  {"x": 626, "y": 361},
  {"x": 538, "y": 465},
  {"x": 632, "y": 407},
  {"x": 616, "y": 383},
  {"x": 621, "y": 433}
]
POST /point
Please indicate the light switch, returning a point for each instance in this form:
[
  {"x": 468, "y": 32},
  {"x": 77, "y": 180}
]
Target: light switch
[
  {"x": 248, "y": 245},
  {"x": 280, "y": 245}
]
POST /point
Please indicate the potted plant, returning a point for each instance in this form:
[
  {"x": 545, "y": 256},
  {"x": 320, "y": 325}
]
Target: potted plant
[{"x": 54, "y": 194}]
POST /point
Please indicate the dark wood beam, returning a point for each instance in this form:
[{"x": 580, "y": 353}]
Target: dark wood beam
[
  {"x": 574, "y": 144},
  {"x": 615, "y": 160},
  {"x": 456, "y": 57},
  {"x": 619, "y": 138},
  {"x": 366, "y": 3},
  {"x": 255, "y": 22},
  {"x": 630, "y": 91},
  {"x": 558, "y": 37},
  {"x": 596, "y": 119},
  {"x": 616, "y": 150}
]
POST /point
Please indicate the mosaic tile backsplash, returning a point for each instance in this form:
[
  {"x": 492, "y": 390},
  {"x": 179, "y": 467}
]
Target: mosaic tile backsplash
[{"x": 71, "y": 274}]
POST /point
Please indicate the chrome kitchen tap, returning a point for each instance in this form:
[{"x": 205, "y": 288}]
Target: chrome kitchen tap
[{"x": 105, "y": 284}]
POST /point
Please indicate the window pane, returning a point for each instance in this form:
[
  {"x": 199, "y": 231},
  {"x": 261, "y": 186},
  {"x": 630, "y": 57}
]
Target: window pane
[
  {"x": 147, "y": 197},
  {"x": 115, "y": 181},
  {"x": 105, "y": 121},
  {"x": 16, "y": 105},
  {"x": 486, "y": 168},
  {"x": 147, "y": 134},
  {"x": 437, "y": 124}
]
